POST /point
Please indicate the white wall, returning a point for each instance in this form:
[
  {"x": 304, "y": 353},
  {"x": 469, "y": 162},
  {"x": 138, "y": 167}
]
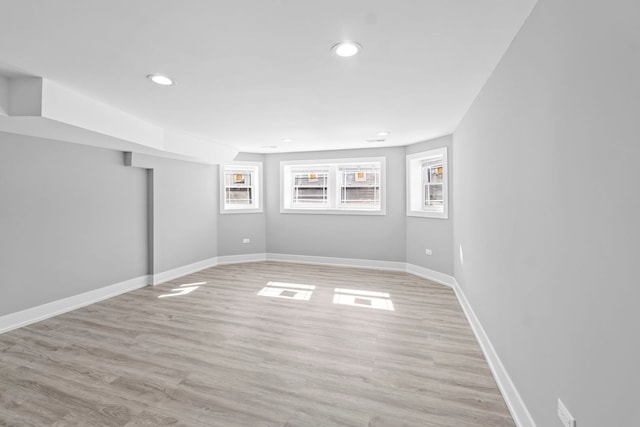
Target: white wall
[
  {"x": 548, "y": 210},
  {"x": 72, "y": 219}
]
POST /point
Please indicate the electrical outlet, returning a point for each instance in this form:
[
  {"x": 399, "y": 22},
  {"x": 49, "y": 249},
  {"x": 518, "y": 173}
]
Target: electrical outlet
[
  {"x": 246, "y": 241},
  {"x": 428, "y": 251},
  {"x": 565, "y": 416},
  {"x": 461, "y": 256}
]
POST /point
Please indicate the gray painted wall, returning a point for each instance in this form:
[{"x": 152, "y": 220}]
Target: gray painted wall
[
  {"x": 185, "y": 200},
  {"x": 233, "y": 228},
  {"x": 72, "y": 219},
  {"x": 344, "y": 236},
  {"x": 548, "y": 208},
  {"x": 432, "y": 233}
]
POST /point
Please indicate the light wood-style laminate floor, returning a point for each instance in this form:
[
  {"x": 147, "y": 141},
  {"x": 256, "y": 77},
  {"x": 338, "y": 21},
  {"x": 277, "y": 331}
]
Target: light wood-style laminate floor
[{"x": 215, "y": 353}]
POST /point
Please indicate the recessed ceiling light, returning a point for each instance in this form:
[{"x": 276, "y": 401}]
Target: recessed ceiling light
[
  {"x": 286, "y": 140},
  {"x": 160, "y": 79},
  {"x": 384, "y": 133},
  {"x": 346, "y": 48}
]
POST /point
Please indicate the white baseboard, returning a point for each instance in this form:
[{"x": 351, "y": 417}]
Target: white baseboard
[
  {"x": 235, "y": 259},
  {"x": 174, "y": 273},
  {"x": 516, "y": 405},
  {"x": 44, "y": 311},
  {"x": 54, "y": 308},
  {"x": 342, "y": 262},
  {"x": 514, "y": 401},
  {"x": 434, "y": 276}
]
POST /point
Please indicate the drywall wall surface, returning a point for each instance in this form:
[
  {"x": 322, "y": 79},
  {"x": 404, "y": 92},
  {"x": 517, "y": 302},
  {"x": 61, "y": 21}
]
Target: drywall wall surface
[
  {"x": 548, "y": 207},
  {"x": 234, "y": 228},
  {"x": 4, "y": 95},
  {"x": 72, "y": 220},
  {"x": 435, "y": 234},
  {"x": 185, "y": 212},
  {"x": 375, "y": 237}
]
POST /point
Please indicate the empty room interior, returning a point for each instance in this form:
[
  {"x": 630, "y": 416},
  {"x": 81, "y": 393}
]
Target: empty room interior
[{"x": 319, "y": 213}]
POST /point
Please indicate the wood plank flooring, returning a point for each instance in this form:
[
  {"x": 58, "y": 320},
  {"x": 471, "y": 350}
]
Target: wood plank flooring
[{"x": 213, "y": 352}]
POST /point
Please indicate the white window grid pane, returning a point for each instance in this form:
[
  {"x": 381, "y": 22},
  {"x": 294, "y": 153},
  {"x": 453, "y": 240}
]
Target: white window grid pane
[
  {"x": 433, "y": 195},
  {"x": 433, "y": 182},
  {"x": 238, "y": 178},
  {"x": 427, "y": 184},
  {"x": 310, "y": 187},
  {"x": 360, "y": 186},
  {"x": 239, "y": 187},
  {"x": 238, "y": 196}
]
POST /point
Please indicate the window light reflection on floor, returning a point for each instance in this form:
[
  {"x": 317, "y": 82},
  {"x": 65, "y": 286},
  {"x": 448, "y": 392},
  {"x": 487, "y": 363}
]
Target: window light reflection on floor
[
  {"x": 294, "y": 291},
  {"x": 183, "y": 289},
  {"x": 358, "y": 298},
  {"x": 364, "y": 293}
]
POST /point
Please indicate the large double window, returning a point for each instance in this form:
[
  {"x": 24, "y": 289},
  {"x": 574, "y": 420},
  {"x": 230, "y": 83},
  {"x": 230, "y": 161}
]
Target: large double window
[{"x": 333, "y": 186}]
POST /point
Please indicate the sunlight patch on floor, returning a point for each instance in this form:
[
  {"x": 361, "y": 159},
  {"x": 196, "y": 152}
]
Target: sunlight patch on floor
[
  {"x": 294, "y": 291},
  {"x": 183, "y": 290},
  {"x": 358, "y": 298}
]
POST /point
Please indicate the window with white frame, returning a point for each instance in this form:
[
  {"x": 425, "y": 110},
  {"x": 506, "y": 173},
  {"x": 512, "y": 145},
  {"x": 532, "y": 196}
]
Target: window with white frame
[
  {"x": 241, "y": 187},
  {"x": 310, "y": 187},
  {"x": 333, "y": 186},
  {"x": 427, "y": 184},
  {"x": 359, "y": 186}
]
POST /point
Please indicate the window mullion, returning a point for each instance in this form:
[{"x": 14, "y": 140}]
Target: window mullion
[
  {"x": 349, "y": 186},
  {"x": 335, "y": 193}
]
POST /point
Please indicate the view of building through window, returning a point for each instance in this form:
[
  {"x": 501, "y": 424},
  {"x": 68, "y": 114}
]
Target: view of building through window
[
  {"x": 335, "y": 186},
  {"x": 432, "y": 181},
  {"x": 427, "y": 184},
  {"x": 238, "y": 187},
  {"x": 360, "y": 186},
  {"x": 310, "y": 186}
]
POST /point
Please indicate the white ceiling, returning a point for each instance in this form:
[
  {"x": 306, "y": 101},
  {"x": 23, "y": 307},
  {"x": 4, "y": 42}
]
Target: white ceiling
[{"x": 251, "y": 72}]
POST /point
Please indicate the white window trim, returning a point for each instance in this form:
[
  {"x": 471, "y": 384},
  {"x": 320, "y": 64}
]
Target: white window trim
[
  {"x": 334, "y": 186},
  {"x": 414, "y": 183},
  {"x": 257, "y": 188}
]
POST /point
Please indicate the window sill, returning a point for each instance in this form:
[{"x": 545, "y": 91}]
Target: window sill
[
  {"x": 424, "y": 214},
  {"x": 312, "y": 211},
  {"x": 241, "y": 211}
]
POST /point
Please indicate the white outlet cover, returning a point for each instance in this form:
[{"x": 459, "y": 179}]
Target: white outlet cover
[
  {"x": 246, "y": 240},
  {"x": 565, "y": 416},
  {"x": 461, "y": 256},
  {"x": 428, "y": 251}
]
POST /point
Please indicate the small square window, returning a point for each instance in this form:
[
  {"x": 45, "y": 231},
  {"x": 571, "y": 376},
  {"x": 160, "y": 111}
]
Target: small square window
[
  {"x": 241, "y": 187},
  {"x": 427, "y": 184}
]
